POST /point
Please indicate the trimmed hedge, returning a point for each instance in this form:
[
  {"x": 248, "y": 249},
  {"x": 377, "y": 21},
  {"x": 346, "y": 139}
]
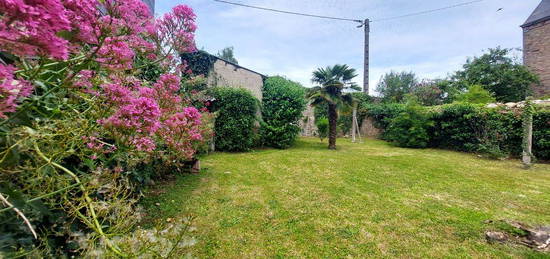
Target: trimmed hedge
[
  {"x": 236, "y": 109},
  {"x": 473, "y": 128},
  {"x": 382, "y": 114},
  {"x": 283, "y": 104}
]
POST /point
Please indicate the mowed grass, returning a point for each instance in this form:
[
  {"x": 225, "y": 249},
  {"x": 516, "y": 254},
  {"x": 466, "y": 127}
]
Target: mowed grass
[{"x": 363, "y": 200}]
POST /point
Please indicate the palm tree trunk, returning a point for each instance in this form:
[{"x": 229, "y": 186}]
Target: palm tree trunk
[{"x": 332, "y": 121}]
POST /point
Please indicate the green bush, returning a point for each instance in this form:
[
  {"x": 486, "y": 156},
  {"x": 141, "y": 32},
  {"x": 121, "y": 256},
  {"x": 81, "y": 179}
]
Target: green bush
[
  {"x": 468, "y": 127},
  {"x": 457, "y": 127},
  {"x": 541, "y": 134},
  {"x": 410, "y": 128},
  {"x": 282, "y": 108},
  {"x": 474, "y": 128},
  {"x": 476, "y": 94},
  {"x": 322, "y": 128},
  {"x": 236, "y": 110}
]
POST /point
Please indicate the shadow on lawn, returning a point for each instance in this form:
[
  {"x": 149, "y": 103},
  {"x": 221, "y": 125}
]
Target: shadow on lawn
[
  {"x": 310, "y": 144},
  {"x": 161, "y": 200}
]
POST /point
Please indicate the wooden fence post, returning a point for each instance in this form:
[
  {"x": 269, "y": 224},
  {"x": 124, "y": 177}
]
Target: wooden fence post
[{"x": 354, "y": 124}]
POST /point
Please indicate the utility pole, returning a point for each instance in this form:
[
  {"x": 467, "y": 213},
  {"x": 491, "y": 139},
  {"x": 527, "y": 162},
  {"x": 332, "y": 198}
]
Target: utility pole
[{"x": 366, "y": 24}]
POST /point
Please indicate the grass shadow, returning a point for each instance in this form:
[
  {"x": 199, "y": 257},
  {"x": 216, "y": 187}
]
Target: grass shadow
[
  {"x": 310, "y": 145},
  {"x": 159, "y": 200}
]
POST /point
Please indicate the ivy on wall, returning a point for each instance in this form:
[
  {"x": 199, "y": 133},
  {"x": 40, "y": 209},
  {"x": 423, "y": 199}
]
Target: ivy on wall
[{"x": 200, "y": 62}]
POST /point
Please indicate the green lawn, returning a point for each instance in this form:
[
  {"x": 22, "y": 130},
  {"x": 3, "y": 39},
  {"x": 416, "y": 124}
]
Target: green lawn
[{"x": 363, "y": 200}]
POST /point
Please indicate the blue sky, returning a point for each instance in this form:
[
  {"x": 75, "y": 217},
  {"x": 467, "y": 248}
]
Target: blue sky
[{"x": 431, "y": 45}]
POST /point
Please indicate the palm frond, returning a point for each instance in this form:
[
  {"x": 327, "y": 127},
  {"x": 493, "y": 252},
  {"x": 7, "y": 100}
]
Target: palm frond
[{"x": 332, "y": 82}]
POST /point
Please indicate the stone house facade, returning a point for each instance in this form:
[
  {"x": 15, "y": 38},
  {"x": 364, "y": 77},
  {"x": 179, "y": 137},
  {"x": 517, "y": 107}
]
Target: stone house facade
[
  {"x": 220, "y": 72},
  {"x": 225, "y": 73},
  {"x": 536, "y": 46}
]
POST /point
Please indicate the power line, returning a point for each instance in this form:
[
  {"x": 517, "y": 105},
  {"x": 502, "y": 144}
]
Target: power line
[
  {"x": 426, "y": 12},
  {"x": 289, "y": 12},
  {"x": 349, "y": 19},
  {"x": 365, "y": 24}
]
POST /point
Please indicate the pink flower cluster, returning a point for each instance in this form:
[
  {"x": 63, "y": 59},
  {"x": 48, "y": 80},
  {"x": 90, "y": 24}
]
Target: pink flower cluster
[
  {"x": 30, "y": 28},
  {"x": 181, "y": 131},
  {"x": 131, "y": 25},
  {"x": 144, "y": 116},
  {"x": 165, "y": 92},
  {"x": 108, "y": 35},
  {"x": 116, "y": 94},
  {"x": 83, "y": 81},
  {"x": 177, "y": 29},
  {"x": 135, "y": 122},
  {"x": 93, "y": 143},
  {"x": 115, "y": 54},
  {"x": 83, "y": 15},
  {"x": 146, "y": 144},
  {"x": 11, "y": 90},
  {"x": 131, "y": 15}
]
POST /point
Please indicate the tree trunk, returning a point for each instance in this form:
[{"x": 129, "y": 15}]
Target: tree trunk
[{"x": 332, "y": 121}]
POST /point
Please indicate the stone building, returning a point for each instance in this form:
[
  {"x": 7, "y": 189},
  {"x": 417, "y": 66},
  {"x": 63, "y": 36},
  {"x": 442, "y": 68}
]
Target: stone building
[
  {"x": 220, "y": 72},
  {"x": 225, "y": 73},
  {"x": 536, "y": 46}
]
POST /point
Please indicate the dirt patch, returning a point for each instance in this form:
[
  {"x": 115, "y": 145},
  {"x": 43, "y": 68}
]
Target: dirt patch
[{"x": 537, "y": 238}]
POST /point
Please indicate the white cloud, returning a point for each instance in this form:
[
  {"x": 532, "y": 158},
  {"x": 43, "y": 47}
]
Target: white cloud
[{"x": 431, "y": 45}]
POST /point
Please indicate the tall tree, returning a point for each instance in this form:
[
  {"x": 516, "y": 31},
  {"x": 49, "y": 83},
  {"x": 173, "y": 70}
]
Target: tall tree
[
  {"x": 227, "y": 54},
  {"x": 499, "y": 73},
  {"x": 434, "y": 92},
  {"x": 333, "y": 84},
  {"x": 395, "y": 85}
]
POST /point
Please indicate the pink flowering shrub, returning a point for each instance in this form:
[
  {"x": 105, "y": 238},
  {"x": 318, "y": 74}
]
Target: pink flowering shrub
[
  {"x": 71, "y": 75},
  {"x": 82, "y": 15},
  {"x": 176, "y": 30},
  {"x": 143, "y": 114},
  {"x": 134, "y": 123},
  {"x": 165, "y": 91},
  {"x": 11, "y": 90},
  {"x": 115, "y": 54},
  {"x": 29, "y": 28},
  {"x": 181, "y": 131}
]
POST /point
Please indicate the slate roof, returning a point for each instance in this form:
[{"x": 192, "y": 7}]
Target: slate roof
[
  {"x": 541, "y": 14},
  {"x": 187, "y": 57},
  {"x": 238, "y": 66}
]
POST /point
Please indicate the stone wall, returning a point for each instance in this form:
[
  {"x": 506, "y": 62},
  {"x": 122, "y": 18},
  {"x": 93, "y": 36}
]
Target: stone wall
[
  {"x": 536, "y": 54},
  {"x": 228, "y": 74},
  {"x": 368, "y": 130},
  {"x": 307, "y": 123}
]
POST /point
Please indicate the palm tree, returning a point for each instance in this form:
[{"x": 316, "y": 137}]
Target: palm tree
[{"x": 333, "y": 83}]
